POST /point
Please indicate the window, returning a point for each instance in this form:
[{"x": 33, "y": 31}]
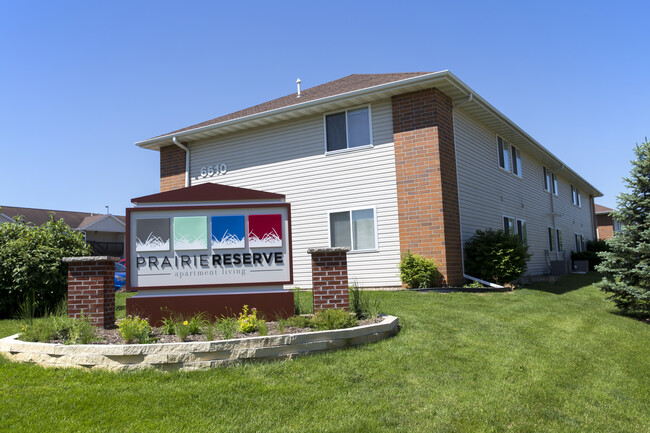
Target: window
[
  {"x": 504, "y": 153},
  {"x": 518, "y": 227},
  {"x": 508, "y": 225},
  {"x": 516, "y": 161},
  {"x": 580, "y": 243},
  {"x": 575, "y": 196},
  {"x": 558, "y": 237},
  {"x": 522, "y": 230},
  {"x": 551, "y": 239},
  {"x": 509, "y": 157},
  {"x": 348, "y": 129},
  {"x": 547, "y": 179},
  {"x": 354, "y": 229},
  {"x": 554, "y": 183}
]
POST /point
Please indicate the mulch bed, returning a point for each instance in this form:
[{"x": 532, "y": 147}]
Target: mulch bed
[{"x": 112, "y": 336}]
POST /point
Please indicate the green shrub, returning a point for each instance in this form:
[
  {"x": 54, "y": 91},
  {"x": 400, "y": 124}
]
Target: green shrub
[
  {"x": 418, "y": 272},
  {"x": 135, "y": 330},
  {"x": 209, "y": 330},
  {"x": 592, "y": 253},
  {"x": 333, "y": 319},
  {"x": 227, "y": 327},
  {"x": 248, "y": 322},
  {"x": 299, "y": 322},
  {"x": 182, "y": 329},
  {"x": 495, "y": 256},
  {"x": 197, "y": 322},
  {"x": 62, "y": 328},
  {"x": 474, "y": 285},
  {"x": 31, "y": 266},
  {"x": 362, "y": 304},
  {"x": 282, "y": 325}
]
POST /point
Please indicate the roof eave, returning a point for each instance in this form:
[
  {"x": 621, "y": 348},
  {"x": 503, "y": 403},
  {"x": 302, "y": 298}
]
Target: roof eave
[
  {"x": 455, "y": 89},
  {"x": 296, "y": 109}
]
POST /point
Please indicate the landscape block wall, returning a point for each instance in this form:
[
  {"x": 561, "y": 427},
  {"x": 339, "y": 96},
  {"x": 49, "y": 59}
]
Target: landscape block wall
[{"x": 427, "y": 192}]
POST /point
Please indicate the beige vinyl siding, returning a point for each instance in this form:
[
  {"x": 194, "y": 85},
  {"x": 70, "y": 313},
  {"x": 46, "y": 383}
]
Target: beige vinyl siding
[
  {"x": 289, "y": 158},
  {"x": 487, "y": 193}
]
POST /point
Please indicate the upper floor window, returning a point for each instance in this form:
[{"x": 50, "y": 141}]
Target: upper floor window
[
  {"x": 509, "y": 156},
  {"x": 348, "y": 129},
  {"x": 576, "y": 199},
  {"x": 554, "y": 184},
  {"x": 354, "y": 229},
  {"x": 547, "y": 178}
]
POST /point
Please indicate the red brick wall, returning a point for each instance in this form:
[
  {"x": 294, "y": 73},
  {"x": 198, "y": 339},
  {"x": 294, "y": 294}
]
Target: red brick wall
[
  {"x": 172, "y": 168},
  {"x": 330, "y": 279},
  {"x": 91, "y": 290},
  {"x": 427, "y": 191},
  {"x": 605, "y": 226}
]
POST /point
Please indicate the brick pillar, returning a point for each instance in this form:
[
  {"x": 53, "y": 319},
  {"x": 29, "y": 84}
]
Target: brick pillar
[
  {"x": 427, "y": 189},
  {"x": 329, "y": 275},
  {"x": 172, "y": 168},
  {"x": 91, "y": 288}
]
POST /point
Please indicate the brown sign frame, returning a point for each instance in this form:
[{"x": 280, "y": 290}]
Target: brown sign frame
[{"x": 127, "y": 241}]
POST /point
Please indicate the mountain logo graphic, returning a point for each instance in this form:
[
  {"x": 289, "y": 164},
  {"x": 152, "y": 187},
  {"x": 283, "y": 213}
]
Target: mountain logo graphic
[
  {"x": 152, "y": 234},
  {"x": 191, "y": 233},
  {"x": 228, "y": 231},
  {"x": 265, "y": 231}
]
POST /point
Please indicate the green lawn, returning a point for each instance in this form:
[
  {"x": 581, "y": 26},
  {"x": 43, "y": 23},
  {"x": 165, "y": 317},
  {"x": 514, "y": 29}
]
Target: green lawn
[{"x": 547, "y": 358}]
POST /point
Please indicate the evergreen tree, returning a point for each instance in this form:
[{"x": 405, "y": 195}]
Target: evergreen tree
[{"x": 626, "y": 267}]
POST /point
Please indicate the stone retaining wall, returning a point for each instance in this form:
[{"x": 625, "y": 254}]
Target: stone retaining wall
[{"x": 193, "y": 355}]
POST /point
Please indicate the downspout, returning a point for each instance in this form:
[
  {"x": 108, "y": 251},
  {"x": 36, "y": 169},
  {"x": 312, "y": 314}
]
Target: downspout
[
  {"x": 187, "y": 159},
  {"x": 469, "y": 98},
  {"x": 554, "y": 173}
]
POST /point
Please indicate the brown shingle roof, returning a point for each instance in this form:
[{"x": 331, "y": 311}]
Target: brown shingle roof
[
  {"x": 40, "y": 216},
  {"x": 602, "y": 209},
  {"x": 342, "y": 85}
]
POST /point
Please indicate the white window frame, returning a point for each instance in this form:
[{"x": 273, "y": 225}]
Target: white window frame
[
  {"x": 511, "y": 156},
  {"x": 546, "y": 175},
  {"x": 503, "y": 152},
  {"x": 515, "y": 155},
  {"x": 550, "y": 239},
  {"x": 554, "y": 185},
  {"x": 350, "y": 210},
  {"x": 559, "y": 239},
  {"x": 514, "y": 224},
  {"x": 523, "y": 235},
  {"x": 347, "y": 138},
  {"x": 576, "y": 198}
]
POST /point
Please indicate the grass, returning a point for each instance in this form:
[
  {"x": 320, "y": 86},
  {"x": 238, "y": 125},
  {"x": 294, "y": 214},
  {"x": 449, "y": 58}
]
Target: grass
[{"x": 547, "y": 358}]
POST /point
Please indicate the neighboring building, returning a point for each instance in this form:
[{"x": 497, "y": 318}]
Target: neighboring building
[
  {"x": 606, "y": 225},
  {"x": 104, "y": 233},
  {"x": 386, "y": 163}
]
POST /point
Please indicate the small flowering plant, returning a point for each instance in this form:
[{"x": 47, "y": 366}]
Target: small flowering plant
[
  {"x": 182, "y": 329},
  {"x": 248, "y": 322}
]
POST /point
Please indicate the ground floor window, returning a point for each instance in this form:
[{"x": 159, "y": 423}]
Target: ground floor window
[
  {"x": 516, "y": 226},
  {"x": 355, "y": 229},
  {"x": 580, "y": 242}
]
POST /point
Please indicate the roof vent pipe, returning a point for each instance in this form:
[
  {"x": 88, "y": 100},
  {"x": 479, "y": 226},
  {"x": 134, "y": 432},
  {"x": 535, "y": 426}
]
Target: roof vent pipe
[
  {"x": 187, "y": 159},
  {"x": 298, "y": 83}
]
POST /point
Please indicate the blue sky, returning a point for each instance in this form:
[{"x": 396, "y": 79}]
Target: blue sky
[{"x": 82, "y": 81}]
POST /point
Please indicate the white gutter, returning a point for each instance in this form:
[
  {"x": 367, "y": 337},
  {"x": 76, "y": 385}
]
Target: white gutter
[
  {"x": 427, "y": 79},
  {"x": 187, "y": 159}
]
